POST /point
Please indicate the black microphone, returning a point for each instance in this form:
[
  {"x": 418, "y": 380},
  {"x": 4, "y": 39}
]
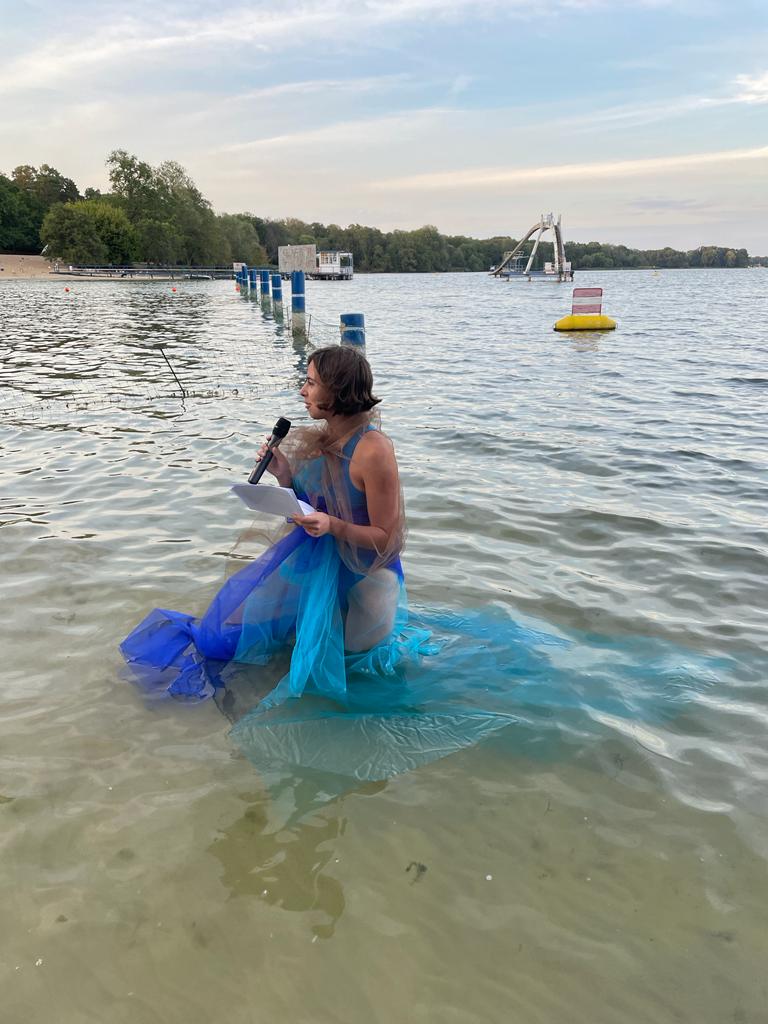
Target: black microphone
[{"x": 279, "y": 431}]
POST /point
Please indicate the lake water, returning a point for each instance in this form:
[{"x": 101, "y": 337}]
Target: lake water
[{"x": 611, "y": 489}]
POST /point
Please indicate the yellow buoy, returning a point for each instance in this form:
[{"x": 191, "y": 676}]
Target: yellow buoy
[
  {"x": 586, "y": 312},
  {"x": 585, "y": 322}
]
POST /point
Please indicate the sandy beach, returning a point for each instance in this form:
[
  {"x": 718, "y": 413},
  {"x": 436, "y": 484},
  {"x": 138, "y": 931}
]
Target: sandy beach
[
  {"x": 21, "y": 267},
  {"x": 30, "y": 268}
]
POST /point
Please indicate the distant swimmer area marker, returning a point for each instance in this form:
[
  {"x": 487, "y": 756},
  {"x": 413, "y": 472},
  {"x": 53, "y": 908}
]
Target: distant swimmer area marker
[{"x": 586, "y": 313}]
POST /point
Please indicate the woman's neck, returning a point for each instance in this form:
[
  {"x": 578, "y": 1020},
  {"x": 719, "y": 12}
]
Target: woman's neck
[{"x": 338, "y": 426}]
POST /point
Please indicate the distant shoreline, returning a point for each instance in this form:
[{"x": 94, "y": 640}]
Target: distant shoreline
[
  {"x": 21, "y": 268},
  {"x": 15, "y": 267}
]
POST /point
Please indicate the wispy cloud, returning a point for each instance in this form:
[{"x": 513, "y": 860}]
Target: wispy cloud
[
  {"x": 664, "y": 205},
  {"x": 145, "y": 32},
  {"x": 378, "y": 130},
  {"x": 751, "y": 88},
  {"x": 492, "y": 177},
  {"x": 460, "y": 84},
  {"x": 636, "y": 114},
  {"x": 747, "y": 89},
  {"x": 65, "y": 60},
  {"x": 253, "y": 90},
  {"x": 322, "y": 86}
]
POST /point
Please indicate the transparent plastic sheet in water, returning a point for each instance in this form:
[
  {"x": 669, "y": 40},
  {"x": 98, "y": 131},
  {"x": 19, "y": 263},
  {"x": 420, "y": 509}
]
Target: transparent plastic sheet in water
[
  {"x": 367, "y": 710},
  {"x": 488, "y": 674}
]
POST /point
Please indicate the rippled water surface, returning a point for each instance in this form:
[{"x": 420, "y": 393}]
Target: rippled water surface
[{"x": 585, "y": 865}]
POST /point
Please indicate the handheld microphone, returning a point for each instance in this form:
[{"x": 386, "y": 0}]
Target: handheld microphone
[{"x": 279, "y": 431}]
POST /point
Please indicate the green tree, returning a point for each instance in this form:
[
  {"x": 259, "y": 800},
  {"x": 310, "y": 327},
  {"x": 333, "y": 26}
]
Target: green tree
[
  {"x": 241, "y": 238},
  {"x": 135, "y": 185},
  {"x": 89, "y": 232},
  {"x": 157, "y": 241},
  {"x": 19, "y": 218},
  {"x": 202, "y": 240},
  {"x": 174, "y": 222},
  {"x": 35, "y": 191},
  {"x": 46, "y": 185}
]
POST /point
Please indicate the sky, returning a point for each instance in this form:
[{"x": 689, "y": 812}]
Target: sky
[{"x": 643, "y": 122}]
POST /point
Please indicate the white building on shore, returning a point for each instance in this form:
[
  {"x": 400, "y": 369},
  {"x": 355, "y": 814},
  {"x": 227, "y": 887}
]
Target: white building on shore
[{"x": 322, "y": 266}]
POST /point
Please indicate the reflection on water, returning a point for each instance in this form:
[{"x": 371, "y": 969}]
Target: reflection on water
[
  {"x": 581, "y": 864},
  {"x": 283, "y": 848},
  {"x": 586, "y": 341},
  {"x": 285, "y": 867}
]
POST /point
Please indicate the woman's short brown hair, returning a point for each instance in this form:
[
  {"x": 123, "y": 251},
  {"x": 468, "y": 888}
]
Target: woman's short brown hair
[{"x": 346, "y": 374}]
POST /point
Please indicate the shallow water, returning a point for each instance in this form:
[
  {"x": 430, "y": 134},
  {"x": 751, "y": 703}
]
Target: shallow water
[{"x": 610, "y": 489}]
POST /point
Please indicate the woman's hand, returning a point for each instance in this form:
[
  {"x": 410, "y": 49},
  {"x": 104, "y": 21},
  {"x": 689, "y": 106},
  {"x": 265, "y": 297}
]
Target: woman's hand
[
  {"x": 278, "y": 465},
  {"x": 316, "y": 524}
]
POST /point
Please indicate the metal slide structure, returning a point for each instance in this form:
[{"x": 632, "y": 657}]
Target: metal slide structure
[{"x": 558, "y": 270}]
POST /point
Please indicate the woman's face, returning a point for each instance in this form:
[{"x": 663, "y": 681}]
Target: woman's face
[{"x": 315, "y": 395}]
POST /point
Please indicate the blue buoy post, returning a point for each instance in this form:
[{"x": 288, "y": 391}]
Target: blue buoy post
[
  {"x": 352, "y": 329},
  {"x": 277, "y": 295},
  {"x": 298, "y": 304},
  {"x": 266, "y": 301},
  {"x": 254, "y": 279}
]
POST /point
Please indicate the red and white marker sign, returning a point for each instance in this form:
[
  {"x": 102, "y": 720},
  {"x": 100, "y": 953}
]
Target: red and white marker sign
[{"x": 587, "y": 300}]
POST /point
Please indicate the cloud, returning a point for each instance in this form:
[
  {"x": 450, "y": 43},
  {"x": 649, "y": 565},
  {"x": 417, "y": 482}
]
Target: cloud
[
  {"x": 63, "y": 60},
  {"x": 748, "y": 89},
  {"x": 640, "y": 114},
  {"x": 321, "y": 86},
  {"x": 146, "y": 32},
  {"x": 371, "y": 131},
  {"x": 751, "y": 88},
  {"x": 663, "y": 205},
  {"x": 460, "y": 84},
  {"x": 493, "y": 177}
]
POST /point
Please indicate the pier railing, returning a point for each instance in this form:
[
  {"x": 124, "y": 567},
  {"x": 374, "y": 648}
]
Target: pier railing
[{"x": 158, "y": 273}]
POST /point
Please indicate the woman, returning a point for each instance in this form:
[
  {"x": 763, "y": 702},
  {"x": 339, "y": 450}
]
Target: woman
[
  {"x": 332, "y": 588},
  {"x": 361, "y": 482}
]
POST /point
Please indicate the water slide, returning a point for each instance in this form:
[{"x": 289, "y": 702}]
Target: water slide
[
  {"x": 544, "y": 224},
  {"x": 510, "y": 256}
]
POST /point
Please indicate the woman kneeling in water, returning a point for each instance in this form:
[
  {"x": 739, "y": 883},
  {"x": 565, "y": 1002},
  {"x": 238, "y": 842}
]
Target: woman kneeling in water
[{"x": 333, "y": 586}]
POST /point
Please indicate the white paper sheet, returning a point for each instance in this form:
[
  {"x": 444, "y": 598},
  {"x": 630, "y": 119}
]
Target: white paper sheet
[{"x": 278, "y": 501}]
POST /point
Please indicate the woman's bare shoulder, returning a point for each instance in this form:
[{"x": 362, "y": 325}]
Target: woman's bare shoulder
[{"x": 373, "y": 445}]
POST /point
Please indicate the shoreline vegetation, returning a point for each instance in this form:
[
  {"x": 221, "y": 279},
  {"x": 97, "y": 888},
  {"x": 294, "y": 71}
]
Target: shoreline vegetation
[
  {"x": 28, "y": 267},
  {"x": 156, "y": 216}
]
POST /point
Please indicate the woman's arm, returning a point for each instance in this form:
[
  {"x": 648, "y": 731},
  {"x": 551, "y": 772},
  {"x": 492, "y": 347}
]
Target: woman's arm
[{"x": 376, "y": 467}]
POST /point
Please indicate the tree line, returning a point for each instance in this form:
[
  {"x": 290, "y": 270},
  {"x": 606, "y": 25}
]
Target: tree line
[{"x": 158, "y": 216}]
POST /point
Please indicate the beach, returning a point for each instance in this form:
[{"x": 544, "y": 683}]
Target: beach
[
  {"x": 27, "y": 268},
  {"x": 32, "y": 268}
]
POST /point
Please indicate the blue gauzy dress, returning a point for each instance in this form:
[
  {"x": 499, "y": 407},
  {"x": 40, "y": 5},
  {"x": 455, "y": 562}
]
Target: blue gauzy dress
[
  {"x": 297, "y": 594},
  {"x": 359, "y": 702}
]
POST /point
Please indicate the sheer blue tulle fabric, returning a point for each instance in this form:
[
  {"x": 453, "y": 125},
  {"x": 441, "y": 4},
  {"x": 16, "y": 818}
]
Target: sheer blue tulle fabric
[
  {"x": 491, "y": 678},
  {"x": 294, "y": 595},
  {"x": 301, "y": 594},
  {"x": 371, "y": 714},
  {"x": 359, "y": 700}
]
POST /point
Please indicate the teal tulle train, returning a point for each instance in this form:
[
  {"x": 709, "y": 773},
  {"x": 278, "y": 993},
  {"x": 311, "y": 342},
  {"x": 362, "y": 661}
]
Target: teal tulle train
[
  {"x": 323, "y": 668},
  {"x": 439, "y": 682}
]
